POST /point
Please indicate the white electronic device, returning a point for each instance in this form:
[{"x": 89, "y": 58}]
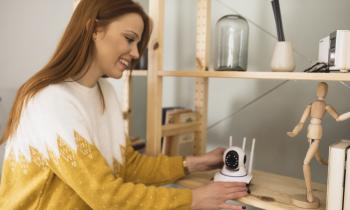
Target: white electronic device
[
  {"x": 338, "y": 182},
  {"x": 234, "y": 169},
  {"x": 323, "y": 50},
  {"x": 335, "y": 50}
]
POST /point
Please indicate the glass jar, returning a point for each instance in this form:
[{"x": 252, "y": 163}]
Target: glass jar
[{"x": 231, "y": 46}]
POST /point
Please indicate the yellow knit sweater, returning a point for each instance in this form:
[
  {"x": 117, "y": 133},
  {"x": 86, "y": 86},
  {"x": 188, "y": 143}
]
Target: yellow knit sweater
[{"x": 56, "y": 161}]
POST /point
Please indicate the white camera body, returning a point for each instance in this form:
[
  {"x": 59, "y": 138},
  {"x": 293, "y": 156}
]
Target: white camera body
[{"x": 235, "y": 169}]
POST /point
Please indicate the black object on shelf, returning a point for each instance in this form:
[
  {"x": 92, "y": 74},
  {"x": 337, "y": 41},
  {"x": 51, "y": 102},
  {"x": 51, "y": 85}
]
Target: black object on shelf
[{"x": 278, "y": 19}]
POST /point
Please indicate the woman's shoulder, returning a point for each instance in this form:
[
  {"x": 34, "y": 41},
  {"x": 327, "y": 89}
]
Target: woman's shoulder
[
  {"x": 58, "y": 96},
  {"x": 55, "y": 102},
  {"x": 54, "y": 92},
  {"x": 53, "y": 105},
  {"x": 50, "y": 113}
]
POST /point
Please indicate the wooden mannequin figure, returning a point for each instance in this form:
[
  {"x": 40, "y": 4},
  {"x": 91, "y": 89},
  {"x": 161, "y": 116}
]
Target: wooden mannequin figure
[{"x": 316, "y": 111}]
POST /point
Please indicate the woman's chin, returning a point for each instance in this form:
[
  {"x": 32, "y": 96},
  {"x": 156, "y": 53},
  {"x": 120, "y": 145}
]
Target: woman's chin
[{"x": 116, "y": 74}]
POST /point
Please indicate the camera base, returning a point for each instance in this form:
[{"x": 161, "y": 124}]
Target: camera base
[{"x": 220, "y": 177}]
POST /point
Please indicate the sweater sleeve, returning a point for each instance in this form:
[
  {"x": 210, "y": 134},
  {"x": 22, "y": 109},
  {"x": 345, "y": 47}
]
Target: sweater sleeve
[
  {"x": 75, "y": 159},
  {"x": 87, "y": 173},
  {"x": 152, "y": 170}
]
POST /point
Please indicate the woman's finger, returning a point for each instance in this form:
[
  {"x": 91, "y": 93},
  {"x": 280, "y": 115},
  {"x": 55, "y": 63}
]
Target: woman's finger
[
  {"x": 234, "y": 207},
  {"x": 236, "y": 195},
  {"x": 234, "y": 184},
  {"x": 236, "y": 189}
]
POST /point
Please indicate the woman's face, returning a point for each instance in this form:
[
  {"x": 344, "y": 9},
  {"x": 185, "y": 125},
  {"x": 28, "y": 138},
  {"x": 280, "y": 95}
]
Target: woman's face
[{"x": 116, "y": 45}]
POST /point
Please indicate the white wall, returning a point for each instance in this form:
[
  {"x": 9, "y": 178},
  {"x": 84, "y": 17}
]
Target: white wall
[
  {"x": 29, "y": 33},
  {"x": 273, "y": 115}
]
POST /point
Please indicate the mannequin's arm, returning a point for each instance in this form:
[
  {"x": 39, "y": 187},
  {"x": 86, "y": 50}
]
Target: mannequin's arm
[
  {"x": 335, "y": 115},
  {"x": 343, "y": 117},
  {"x": 300, "y": 125},
  {"x": 332, "y": 112}
]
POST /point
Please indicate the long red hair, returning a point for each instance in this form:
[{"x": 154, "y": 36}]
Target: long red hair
[{"x": 71, "y": 58}]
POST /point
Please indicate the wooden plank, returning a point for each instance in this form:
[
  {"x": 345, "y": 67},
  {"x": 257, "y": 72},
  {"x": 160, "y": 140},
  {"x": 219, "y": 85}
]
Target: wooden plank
[
  {"x": 258, "y": 75},
  {"x": 180, "y": 128},
  {"x": 127, "y": 101},
  {"x": 139, "y": 73},
  {"x": 127, "y": 98},
  {"x": 268, "y": 190},
  {"x": 202, "y": 61},
  {"x": 154, "y": 82}
]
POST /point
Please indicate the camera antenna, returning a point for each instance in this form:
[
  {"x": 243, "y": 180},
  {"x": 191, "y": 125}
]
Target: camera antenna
[
  {"x": 250, "y": 170},
  {"x": 231, "y": 141},
  {"x": 243, "y": 145}
]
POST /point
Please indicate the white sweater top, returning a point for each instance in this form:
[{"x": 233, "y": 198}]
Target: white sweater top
[{"x": 60, "y": 109}]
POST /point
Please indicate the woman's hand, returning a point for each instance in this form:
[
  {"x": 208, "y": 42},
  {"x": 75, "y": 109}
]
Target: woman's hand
[
  {"x": 215, "y": 194},
  {"x": 208, "y": 161}
]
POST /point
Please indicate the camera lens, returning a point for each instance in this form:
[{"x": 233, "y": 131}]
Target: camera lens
[{"x": 231, "y": 160}]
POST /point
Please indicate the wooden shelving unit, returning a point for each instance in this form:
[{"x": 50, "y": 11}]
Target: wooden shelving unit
[
  {"x": 258, "y": 75},
  {"x": 127, "y": 99},
  {"x": 139, "y": 73},
  {"x": 269, "y": 191}
]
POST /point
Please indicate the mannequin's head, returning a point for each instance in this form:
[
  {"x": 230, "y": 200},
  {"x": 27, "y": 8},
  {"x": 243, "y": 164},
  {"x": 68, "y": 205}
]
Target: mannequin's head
[{"x": 322, "y": 89}]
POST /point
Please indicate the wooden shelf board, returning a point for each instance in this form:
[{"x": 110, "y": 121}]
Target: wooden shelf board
[
  {"x": 258, "y": 75},
  {"x": 139, "y": 73},
  {"x": 268, "y": 190},
  {"x": 180, "y": 128}
]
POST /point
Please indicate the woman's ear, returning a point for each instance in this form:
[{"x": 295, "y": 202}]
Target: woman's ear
[{"x": 98, "y": 34}]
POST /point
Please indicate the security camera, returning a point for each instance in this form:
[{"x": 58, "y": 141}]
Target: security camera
[{"x": 234, "y": 169}]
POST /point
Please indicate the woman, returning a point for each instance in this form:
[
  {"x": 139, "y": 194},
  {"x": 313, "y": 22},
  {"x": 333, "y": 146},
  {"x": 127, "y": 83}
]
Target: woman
[{"x": 65, "y": 146}]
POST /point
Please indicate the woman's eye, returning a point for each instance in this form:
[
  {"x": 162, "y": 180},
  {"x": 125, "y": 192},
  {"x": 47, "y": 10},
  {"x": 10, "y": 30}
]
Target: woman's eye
[{"x": 130, "y": 40}]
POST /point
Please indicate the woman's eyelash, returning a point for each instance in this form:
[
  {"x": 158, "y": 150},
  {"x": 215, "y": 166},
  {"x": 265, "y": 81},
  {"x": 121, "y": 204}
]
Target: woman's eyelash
[{"x": 130, "y": 40}]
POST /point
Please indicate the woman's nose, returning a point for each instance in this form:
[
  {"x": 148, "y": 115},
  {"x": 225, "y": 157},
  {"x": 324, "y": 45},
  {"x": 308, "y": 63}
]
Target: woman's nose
[{"x": 135, "y": 52}]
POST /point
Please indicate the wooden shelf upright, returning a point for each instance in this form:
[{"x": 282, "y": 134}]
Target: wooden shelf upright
[
  {"x": 202, "y": 62},
  {"x": 127, "y": 97},
  {"x": 154, "y": 82}
]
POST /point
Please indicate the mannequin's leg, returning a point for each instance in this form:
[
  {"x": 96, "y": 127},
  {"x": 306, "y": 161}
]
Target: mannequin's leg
[
  {"x": 319, "y": 158},
  {"x": 307, "y": 169}
]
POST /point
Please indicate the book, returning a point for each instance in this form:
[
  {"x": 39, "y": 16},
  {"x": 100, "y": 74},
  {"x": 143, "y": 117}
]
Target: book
[
  {"x": 338, "y": 182},
  {"x": 138, "y": 144},
  {"x": 182, "y": 144},
  {"x": 167, "y": 118}
]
